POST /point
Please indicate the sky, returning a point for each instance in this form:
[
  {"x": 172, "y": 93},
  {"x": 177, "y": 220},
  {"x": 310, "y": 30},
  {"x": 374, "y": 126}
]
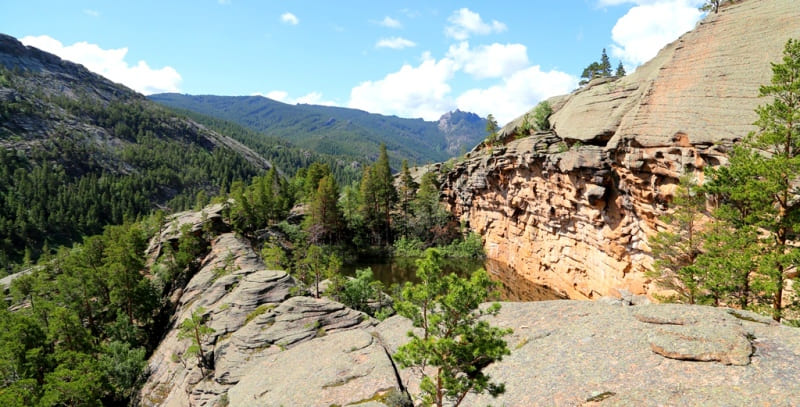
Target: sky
[{"x": 415, "y": 59}]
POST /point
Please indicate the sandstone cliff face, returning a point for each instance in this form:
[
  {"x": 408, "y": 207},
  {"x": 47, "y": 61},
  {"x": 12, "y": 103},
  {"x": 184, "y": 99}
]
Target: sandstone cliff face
[{"x": 572, "y": 209}]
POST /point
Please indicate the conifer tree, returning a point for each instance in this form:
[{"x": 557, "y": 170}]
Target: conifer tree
[
  {"x": 456, "y": 342},
  {"x": 605, "y": 64},
  {"x": 758, "y": 188},
  {"x": 620, "y": 70},
  {"x": 406, "y": 192}
]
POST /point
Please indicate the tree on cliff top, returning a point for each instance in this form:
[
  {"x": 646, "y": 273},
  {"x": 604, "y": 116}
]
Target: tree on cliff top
[
  {"x": 456, "y": 342},
  {"x": 759, "y": 188}
]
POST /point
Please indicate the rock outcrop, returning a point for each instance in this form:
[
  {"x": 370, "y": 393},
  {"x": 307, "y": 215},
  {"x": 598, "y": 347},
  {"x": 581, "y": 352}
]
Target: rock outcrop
[
  {"x": 270, "y": 348},
  {"x": 572, "y": 209}
]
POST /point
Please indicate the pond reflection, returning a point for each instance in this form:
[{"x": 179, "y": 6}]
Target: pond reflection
[{"x": 512, "y": 287}]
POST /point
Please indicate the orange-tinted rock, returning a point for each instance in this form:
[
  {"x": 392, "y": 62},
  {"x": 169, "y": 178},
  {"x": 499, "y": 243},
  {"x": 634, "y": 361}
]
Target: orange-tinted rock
[{"x": 572, "y": 208}]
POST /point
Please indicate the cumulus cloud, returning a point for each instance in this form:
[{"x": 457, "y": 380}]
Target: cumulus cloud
[
  {"x": 91, "y": 13},
  {"x": 517, "y": 93},
  {"x": 489, "y": 61},
  {"x": 425, "y": 91},
  {"x": 649, "y": 26},
  {"x": 313, "y": 98},
  {"x": 413, "y": 91},
  {"x": 390, "y": 23},
  {"x": 395, "y": 43},
  {"x": 464, "y": 22},
  {"x": 290, "y": 18},
  {"x": 111, "y": 64}
]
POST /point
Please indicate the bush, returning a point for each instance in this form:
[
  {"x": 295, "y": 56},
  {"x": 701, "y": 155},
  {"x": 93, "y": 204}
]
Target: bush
[
  {"x": 541, "y": 114},
  {"x": 471, "y": 246}
]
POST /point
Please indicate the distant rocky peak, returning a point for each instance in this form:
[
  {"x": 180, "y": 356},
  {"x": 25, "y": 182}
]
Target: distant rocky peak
[{"x": 451, "y": 120}]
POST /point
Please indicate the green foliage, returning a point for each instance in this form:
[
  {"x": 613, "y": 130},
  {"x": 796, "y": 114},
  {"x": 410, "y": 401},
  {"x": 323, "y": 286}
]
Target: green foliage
[
  {"x": 315, "y": 264},
  {"x": 600, "y": 69},
  {"x": 492, "y": 137},
  {"x": 358, "y": 293},
  {"x": 378, "y": 197},
  {"x": 196, "y": 329},
  {"x": 457, "y": 343},
  {"x": 332, "y": 133},
  {"x": 67, "y": 185},
  {"x": 620, "y": 72},
  {"x": 264, "y": 202},
  {"x": 81, "y": 338},
  {"x": 324, "y": 222},
  {"x": 541, "y": 114},
  {"x": 676, "y": 248}
]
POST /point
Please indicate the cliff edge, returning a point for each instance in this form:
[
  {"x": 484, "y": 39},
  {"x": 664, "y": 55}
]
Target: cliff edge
[{"x": 572, "y": 208}]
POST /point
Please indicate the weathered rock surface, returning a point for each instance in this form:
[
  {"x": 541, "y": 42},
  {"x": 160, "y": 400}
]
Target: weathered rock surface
[
  {"x": 572, "y": 209},
  {"x": 346, "y": 368},
  {"x": 565, "y": 353},
  {"x": 255, "y": 319},
  {"x": 272, "y": 349}
]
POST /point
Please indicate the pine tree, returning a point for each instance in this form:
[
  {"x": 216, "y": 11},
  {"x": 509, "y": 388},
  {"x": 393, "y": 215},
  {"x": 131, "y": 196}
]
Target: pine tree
[
  {"x": 324, "y": 220},
  {"x": 197, "y": 330},
  {"x": 491, "y": 130},
  {"x": 620, "y": 70},
  {"x": 456, "y": 342},
  {"x": 758, "y": 189},
  {"x": 605, "y": 64},
  {"x": 406, "y": 192},
  {"x": 675, "y": 249}
]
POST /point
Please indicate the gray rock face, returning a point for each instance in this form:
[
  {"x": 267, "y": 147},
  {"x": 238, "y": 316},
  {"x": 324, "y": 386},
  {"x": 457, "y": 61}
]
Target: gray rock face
[
  {"x": 570, "y": 353},
  {"x": 342, "y": 368}
]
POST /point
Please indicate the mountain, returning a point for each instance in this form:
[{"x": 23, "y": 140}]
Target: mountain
[
  {"x": 78, "y": 152},
  {"x": 573, "y": 208},
  {"x": 341, "y": 131}
]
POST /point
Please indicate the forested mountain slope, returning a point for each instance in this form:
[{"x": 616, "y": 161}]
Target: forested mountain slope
[
  {"x": 78, "y": 152},
  {"x": 341, "y": 131}
]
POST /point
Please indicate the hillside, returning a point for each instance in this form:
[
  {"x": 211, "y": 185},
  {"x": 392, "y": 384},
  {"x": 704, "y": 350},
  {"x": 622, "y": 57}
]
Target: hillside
[
  {"x": 78, "y": 152},
  {"x": 341, "y": 131}
]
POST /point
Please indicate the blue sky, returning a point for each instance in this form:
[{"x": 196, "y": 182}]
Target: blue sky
[{"x": 411, "y": 58}]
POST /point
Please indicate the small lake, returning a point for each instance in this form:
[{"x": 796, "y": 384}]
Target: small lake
[{"x": 511, "y": 287}]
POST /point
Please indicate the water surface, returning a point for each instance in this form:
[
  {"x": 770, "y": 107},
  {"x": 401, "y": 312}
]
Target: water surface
[{"x": 511, "y": 287}]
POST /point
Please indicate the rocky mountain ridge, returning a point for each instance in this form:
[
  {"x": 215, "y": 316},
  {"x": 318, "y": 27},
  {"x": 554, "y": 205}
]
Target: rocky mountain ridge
[
  {"x": 271, "y": 348},
  {"x": 572, "y": 208},
  {"x": 337, "y": 130}
]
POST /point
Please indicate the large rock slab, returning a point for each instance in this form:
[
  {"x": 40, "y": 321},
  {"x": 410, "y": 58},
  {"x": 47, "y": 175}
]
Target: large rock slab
[
  {"x": 344, "y": 368},
  {"x": 570, "y": 353}
]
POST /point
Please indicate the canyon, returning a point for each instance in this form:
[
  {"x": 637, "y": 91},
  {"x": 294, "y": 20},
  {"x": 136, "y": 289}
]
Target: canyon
[{"x": 572, "y": 208}]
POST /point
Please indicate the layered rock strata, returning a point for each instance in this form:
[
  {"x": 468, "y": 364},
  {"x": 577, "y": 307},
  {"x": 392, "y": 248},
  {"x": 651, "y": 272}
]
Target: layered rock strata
[
  {"x": 572, "y": 208},
  {"x": 270, "y": 348}
]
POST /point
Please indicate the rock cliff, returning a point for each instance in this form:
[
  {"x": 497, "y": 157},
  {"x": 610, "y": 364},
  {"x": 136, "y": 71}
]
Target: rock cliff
[
  {"x": 572, "y": 208},
  {"x": 270, "y": 348}
]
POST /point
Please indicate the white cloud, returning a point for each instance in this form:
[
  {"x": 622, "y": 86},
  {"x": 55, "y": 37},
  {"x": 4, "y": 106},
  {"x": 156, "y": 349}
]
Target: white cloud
[
  {"x": 421, "y": 91},
  {"x": 313, "y": 98},
  {"x": 489, "y": 61},
  {"x": 290, "y": 18},
  {"x": 224, "y": 2},
  {"x": 91, "y": 13},
  {"x": 390, "y": 23},
  {"x": 464, "y": 22},
  {"x": 111, "y": 64},
  {"x": 649, "y": 26},
  {"x": 517, "y": 93},
  {"x": 425, "y": 90},
  {"x": 395, "y": 43}
]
